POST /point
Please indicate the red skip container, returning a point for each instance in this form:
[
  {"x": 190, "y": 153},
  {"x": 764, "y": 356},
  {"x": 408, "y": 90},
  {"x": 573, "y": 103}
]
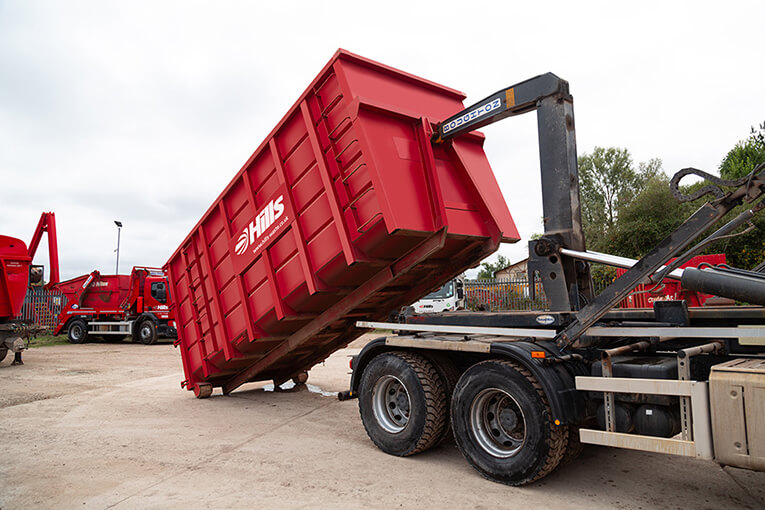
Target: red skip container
[{"x": 345, "y": 212}]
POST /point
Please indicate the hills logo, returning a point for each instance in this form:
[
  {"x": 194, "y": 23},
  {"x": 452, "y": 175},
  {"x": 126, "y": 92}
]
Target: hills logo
[{"x": 265, "y": 218}]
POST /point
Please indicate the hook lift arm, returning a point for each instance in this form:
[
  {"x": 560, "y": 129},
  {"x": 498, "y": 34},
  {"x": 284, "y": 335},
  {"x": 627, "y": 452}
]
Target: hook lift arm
[{"x": 567, "y": 281}]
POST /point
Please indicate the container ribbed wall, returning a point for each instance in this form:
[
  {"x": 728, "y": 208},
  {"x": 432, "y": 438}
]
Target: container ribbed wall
[{"x": 345, "y": 211}]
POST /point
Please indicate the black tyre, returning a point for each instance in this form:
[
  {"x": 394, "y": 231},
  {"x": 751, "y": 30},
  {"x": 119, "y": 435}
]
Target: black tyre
[
  {"x": 146, "y": 332},
  {"x": 77, "y": 333},
  {"x": 403, "y": 403},
  {"x": 449, "y": 375},
  {"x": 574, "y": 448},
  {"x": 3, "y": 353},
  {"x": 503, "y": 424}
]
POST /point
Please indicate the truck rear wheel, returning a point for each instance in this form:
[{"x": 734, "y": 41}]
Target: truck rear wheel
[
  {"x": 402, "y": 402},
  {"x": 77, "y": 333},
  {"x": 147, "y": 332},
  {"x": 503, "y": 424},
  {"x": 3, "y": 353}
]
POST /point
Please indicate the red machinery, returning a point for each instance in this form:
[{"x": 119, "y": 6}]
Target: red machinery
[
  {"x": 346, "y": 210},
  {"x": 15, "y": 277},
  {"x": 137, "y": 305},
  {"x": 670, "y": 290},
  {"x": 47, "y": 224}
]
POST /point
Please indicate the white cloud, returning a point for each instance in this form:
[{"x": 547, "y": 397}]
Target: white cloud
[{"x": 143, "y": 111}]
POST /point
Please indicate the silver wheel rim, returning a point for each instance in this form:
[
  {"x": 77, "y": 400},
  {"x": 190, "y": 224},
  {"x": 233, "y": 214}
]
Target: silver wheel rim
[
  {"x": 391, "y": 404},
  {"x": 145, "y": 332},
  {"x": 76, "y": 332},
  {"x": 498, "y": 423}
]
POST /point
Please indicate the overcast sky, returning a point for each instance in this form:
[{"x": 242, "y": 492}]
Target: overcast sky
[{"x": 143, "y": 111}]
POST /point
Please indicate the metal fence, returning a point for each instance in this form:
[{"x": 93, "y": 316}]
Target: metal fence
[
  {"x": 513, "y": 294},
  {"x": 41, "y": 307}
]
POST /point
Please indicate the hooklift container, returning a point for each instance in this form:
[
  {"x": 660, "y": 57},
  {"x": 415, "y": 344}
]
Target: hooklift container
[{"x": 345, "y": 211}]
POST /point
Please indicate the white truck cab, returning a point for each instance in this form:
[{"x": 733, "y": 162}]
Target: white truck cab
[{"x": 448, "y": 298}]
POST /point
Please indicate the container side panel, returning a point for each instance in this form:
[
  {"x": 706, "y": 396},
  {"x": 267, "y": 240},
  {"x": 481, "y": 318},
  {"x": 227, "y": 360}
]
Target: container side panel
[
  {"x": 290, "y": 136},
  {"x": 260, "y": 170},
  {"x": 290, "y": 276},
  {"x": 283, "y": 250},
  {"x": 299, "y": 162},
  {"x": 322, "y": 248},
  {"x": 235, "y": 201},
  {"x": 345, "y": 194},
  {"x": 307, "y": 189},
  {"x": 315, "y": 217}
]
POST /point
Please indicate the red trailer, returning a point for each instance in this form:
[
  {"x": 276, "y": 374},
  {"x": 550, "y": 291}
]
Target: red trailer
[
  {"x": 137, "y": 304},
  {"x": 345, "y": 211}
]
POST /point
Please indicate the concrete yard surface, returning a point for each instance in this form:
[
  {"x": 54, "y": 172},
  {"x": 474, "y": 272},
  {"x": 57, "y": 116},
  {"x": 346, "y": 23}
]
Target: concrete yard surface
[{"x": 106, "y": 425}]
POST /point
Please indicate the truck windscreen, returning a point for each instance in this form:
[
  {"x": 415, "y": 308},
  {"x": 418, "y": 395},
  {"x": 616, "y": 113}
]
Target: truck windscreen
[{"x": 444, "y": 292}]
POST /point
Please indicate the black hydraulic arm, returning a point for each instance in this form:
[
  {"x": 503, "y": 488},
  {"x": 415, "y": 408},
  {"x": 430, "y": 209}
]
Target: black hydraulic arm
[
  {"x": 549, "y": 96},
  {"x": 567, "y": 282},
  {"x": 520, "y": 98},
  {"x": 751, "y": 190}
]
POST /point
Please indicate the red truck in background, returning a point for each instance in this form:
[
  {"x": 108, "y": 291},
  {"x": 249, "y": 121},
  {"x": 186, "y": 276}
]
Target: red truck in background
[
  {"x": 16, "y": 274},
  {"x": 138, "y": 305}
]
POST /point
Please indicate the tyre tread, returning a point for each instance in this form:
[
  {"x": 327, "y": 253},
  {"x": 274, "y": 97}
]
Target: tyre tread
[
  {"x": 558, "y": 438},
  {"x": 435, "y": 396},
  {"x": 449, "y": 375}
]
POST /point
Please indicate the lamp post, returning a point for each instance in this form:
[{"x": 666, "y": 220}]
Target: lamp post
[{"x": 119, "y": 227}]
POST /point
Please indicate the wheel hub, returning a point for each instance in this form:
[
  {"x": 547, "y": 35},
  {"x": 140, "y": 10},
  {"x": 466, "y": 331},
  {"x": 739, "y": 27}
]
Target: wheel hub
[
  {"x": 497, "y": 423},
  {"x": 391, "y": 404}
]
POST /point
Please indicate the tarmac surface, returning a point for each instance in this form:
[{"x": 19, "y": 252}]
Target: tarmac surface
[{"x": 106, "y": 425}]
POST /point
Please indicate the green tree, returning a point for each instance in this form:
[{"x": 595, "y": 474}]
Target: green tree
[
  {"x": 747, "y": 250},
  {"x": 745, "y": 155},
  {"x": 488, "y": 268},
  {"x": 608, "y": 183},
  {"x": 654, "y": 213},
  {"x": 648, "y": 219}
]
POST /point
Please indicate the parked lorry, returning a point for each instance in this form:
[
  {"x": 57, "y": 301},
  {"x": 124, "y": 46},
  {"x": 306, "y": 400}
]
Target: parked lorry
[
  {"x": 16, "y": 274},
  {"x": 448, "y": 298},
  {"x": 363, "y": 199},
  {"x": 137, "y": 305}
]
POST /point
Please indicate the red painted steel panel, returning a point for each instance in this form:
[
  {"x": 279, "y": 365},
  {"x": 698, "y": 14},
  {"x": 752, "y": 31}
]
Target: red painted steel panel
[
  {"x": 14, "y": 276},
  {"x": 107, "y": 292},
  {"x": 330, "y": 221},
  {"x": 670, "y": 289}
]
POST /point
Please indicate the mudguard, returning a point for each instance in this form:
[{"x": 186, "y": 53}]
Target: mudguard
[
  {"x": 557, "y": 379},
  {"x": 363, "y": 358}
]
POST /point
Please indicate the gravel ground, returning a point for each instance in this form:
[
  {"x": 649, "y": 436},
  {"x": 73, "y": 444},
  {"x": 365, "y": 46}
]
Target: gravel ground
[{"x": 106, "y": 425}]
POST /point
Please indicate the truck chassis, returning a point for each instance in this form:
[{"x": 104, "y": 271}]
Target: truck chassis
[{"x": 523, "y": 391}]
